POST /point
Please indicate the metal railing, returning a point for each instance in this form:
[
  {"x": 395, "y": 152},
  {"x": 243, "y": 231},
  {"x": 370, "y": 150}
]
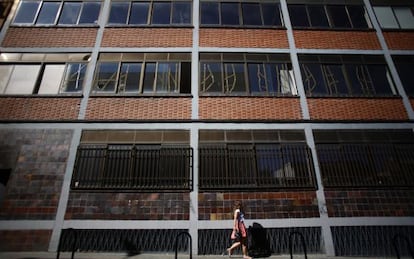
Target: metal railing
[
  {"x": 133, "y": 167},
  {"x": 267, "y": 166},
  {"x": 407, "y": 242},
  {"x": 366, "y": 165},
  {"x": 190, "y": 241},
  {"x": 302, "y": 240}
]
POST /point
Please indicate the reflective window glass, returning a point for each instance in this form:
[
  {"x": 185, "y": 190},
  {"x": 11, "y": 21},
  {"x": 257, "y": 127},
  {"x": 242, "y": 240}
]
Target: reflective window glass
[
  {"x": 70, "y": 13},
  {"x": 48, "y": 13},
  {"x": 234, "y": 80},
  {"x": 298, "y": 16},
  {"x": 230, "y": 14},
  {"x": 106, "y": 77},
  {"x": 251, "y": 14},
  {"x": 129, "y": 77},
  {"x": 271, "y": 14},
  {"x": 161, "y": 13},
  {"x": 73, "y": 79},
  {"x": 139, "y": 13},
  {"x": 5, "y": 72},
  {"x": 405, "y": 17},
  {"x": 313, "y": 79},
  {"x": 358, "y": 16},
  {"x": 385, "y": 17},
  {"x": 335, "y": 80},
  {"x": 119, "y": 13},
  {"x": 317, "y": 16},
  {"x": 149, "y": 77},
  {"x": 26, "y": 12},
  {"x": 51, "y": 79},
  {"x": 211, "y": 77},
  {"x": 167, "y": 78},
  {"x": 209, "y": 13},
  {"x": 405, "y": 71},
  {"x": 181, "y": 12},
  {"x": 339, "y": 16},
  {"x": 90, "y": 13},
  {"x": 23, "y": 79},
  {"x": 381, "y": 79}
]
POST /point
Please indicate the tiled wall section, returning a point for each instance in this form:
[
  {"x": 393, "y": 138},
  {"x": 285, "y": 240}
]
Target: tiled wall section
[
  {"x": 260, "y": 108},
  {"x": 258, "y": 205},
  {"x": 49, "y": 37},
  {"x": 243, "y": 38},
  {"x": 370, "y": 203},
  {"x": 336, "y": 40},
  {"x": 399, "y": 40},
  {"x": 147, "y": 37},
  {"x": 38, "y": 162},
  {"x": 20, "y": 108},
  {"x": 128, "y": 206},
  {"x": 356, "y": 109},
  {"x": 138, "y": 108},
  {"x": 24, "y": 240}
]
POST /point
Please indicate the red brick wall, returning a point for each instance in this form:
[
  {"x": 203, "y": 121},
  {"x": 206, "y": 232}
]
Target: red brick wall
[
  {"x": 336, "y": 40},
  {"x": 147, "y": 37},
  {"x": 370, "y": 203},
  {"x": 151, "y": 108},
  {"x": 243, "y": 38},
  {"x": 356, "y": 109},
  {"x": 258, "y": 205},
  {"x": 128, "y": 206},
  {"x": 255, "y": 108},
  {"x": 400, "y": 40},
  {"x": 49, "y": 37},
  {"x": 24, "y": 240},
  {"x": 39, "y": 108}
]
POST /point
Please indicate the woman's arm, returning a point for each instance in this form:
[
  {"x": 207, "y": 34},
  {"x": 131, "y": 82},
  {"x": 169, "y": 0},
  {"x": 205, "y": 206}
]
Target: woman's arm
[{"x": 235, "y": 221}]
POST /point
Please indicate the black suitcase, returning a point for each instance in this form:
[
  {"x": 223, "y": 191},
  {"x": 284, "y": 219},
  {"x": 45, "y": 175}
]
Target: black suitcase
[{"x": 258, "y": 244}]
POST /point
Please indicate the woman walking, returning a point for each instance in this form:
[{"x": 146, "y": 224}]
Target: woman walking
[{"x": 239, "y": 234}]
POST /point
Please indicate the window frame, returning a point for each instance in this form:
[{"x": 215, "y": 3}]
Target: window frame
[{"x": 394, "y": 16}]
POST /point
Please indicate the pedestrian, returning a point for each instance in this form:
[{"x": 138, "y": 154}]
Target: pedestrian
[{"x": 239, "y": 233}]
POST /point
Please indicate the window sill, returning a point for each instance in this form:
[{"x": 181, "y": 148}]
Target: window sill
[
  {"x": 332, "y": 29},
  {"x": 241, "y": 27},
  {"x": 247, "y": 96},
  {"x": 71, "y": 26},
  {"x": 101, "y": 95},
  {"x": 167, "y": 26},
  {"x": 353, "y": 97},
  {"x": 41, "y": 95}
]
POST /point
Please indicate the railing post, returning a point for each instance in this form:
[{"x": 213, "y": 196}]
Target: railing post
[
  {"x": 402, "y": 237},
  {"x": 176, "y": 244},
  {"x": 302, "y": 238}
]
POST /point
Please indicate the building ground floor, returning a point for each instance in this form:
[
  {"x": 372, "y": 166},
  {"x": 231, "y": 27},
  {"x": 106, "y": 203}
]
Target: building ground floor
[{"x": 341, "y": 189}]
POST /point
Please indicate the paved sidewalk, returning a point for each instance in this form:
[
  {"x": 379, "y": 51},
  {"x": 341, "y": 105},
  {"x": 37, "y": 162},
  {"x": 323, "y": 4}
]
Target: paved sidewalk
[{"x": 48, "y": 255}]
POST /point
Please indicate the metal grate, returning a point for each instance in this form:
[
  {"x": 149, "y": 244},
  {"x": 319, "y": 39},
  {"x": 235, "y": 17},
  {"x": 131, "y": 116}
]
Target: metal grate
[
  {"x": 365, "y": 165},
  {"x": 121, "y": 240},
  {"x": 268, "y": 166},
  {"x": 371, "y": 240},
  {"x": 215, "y": 241},
  {"x": 133, "y": 167}
]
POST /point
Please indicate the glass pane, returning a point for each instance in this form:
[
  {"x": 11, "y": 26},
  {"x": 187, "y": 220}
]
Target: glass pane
[
  {"x": 106, "y": 76},
  {"x": 209, "y": 13},
  {"x": 23, "y": 79},
  {"x": 251, "y": 14},
  {"x": 358, "y": 77},
  {"x": 298, "y": 16},
  {"x": 385, "y": 17},
  {"x": 405, "y": 71},
  {"x": 27, "y": 12},
  {"x": 139, "y": 13},
  {"x": 161, "y": 13},
  {"x": 90, "y": 13},
  {"x": 211, "y": 77},
  {"x": 167, "y": 78},
  {"x": 234, "y": 79},
  {"x": 70, "y": 13},
  {"x": 52, "y": 77},
  {"x": 405, "y": 17},
  {"x": 185, "y": 81},
  {"x": 257, "y": 78},
  {"x": 335, "y": 80},
  {"x": 230, "y": 14},
  {"x": 317, "y": 16},
  {"x": 48, "y": 13},
  {"x": 313, "y": 80},
  {"x": 74, "y": 76},
  {"x": 338, "y": 16},
  {"x": 358, "y": 16},
  {"x": 271, "y": 14},
  {"x": 119, "y": 13},
  {"x": 381, "y": 79},
  {"x": 5, "y": 72},
  {"x": 181, "y": 13},
  {"x": 149, "y": 78},
  {"x": 130, "y": 77}
]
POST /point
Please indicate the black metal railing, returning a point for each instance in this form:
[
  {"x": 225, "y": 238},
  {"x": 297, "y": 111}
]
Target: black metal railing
[
  {"x": 133, "y": 167},
  {"x": 270, "y": 166},
  {"x": 366, "y": 165}
]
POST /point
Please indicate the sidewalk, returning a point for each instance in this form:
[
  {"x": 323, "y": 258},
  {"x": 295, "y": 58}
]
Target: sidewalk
[{"x": 48, "y": 255}]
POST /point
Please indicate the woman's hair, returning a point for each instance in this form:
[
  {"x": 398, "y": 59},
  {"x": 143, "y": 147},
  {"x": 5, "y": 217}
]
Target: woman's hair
[{"x": 238, "y": 205}]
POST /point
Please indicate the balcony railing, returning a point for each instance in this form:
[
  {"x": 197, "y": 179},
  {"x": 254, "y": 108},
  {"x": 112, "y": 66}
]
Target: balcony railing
[{"x": 133, "y": 167}]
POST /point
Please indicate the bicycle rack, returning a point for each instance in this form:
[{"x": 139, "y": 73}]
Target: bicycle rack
[
  {"x": 73, "y": 245},
  {"x": 176, "y": 244},
  {"x": 302, "y": 238},
  {"x": 402, "y": 237}
]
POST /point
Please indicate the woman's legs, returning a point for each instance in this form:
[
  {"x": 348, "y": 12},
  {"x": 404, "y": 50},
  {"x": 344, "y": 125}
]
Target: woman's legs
[
  {"x": 244, "y": 249},
  {"x": 232, "y": 247}
]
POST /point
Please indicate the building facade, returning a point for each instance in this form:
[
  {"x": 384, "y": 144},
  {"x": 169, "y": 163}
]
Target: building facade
[{"x": 125, "y": 123}]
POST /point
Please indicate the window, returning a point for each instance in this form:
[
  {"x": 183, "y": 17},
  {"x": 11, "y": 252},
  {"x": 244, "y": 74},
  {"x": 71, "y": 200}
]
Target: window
[
  {"x": 404, "y": 65},
  {"x": 151, "y": 13},
  {"x": 367, "y": 159},
  {"x": 346, "y": 76},
  {"x": 251, "y": 14},
  {"x": 328, "y": 16},
  {"x": 395, "y": 17},
  {"x": 142, "y": 74},
  {"x": 234, "y": 160},
  {"x": 246, "y": 74},
  {"x": 42, "y": 76}
]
